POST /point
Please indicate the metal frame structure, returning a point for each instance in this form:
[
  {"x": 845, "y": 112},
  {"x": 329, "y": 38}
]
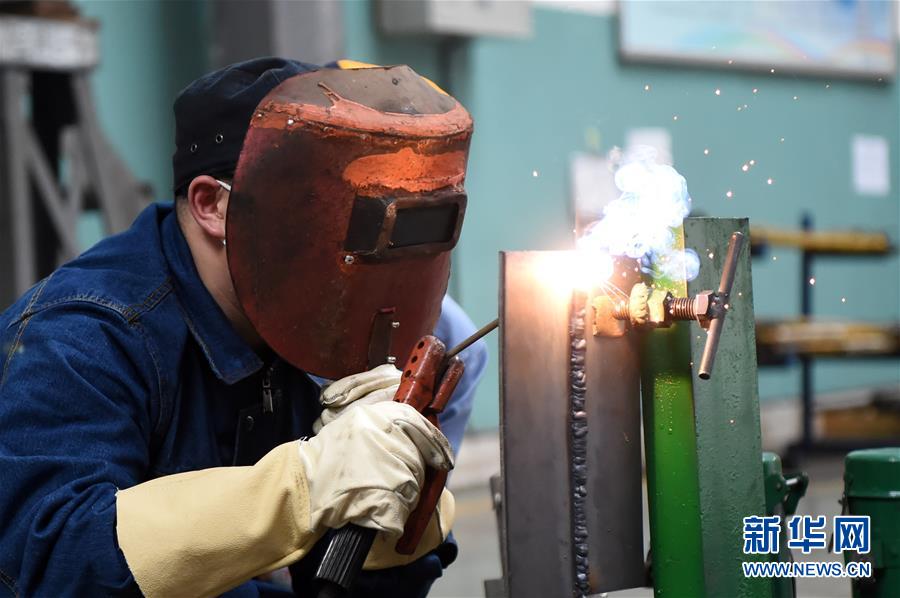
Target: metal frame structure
[{"x": 55, "y": 162}]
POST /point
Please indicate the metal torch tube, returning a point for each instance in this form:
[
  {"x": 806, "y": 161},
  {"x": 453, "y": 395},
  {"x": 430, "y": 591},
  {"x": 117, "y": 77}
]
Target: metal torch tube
[
  {"x": 735, "y": 244},
  {"x": 478, "y": 334}
]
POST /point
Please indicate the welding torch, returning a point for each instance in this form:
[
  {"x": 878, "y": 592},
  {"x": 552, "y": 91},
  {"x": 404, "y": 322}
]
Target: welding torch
[{"x": 429, "y": 379}]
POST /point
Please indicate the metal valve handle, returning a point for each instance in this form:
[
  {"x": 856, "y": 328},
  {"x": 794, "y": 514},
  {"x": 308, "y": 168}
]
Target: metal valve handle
[{"x": 735, "y": 244}]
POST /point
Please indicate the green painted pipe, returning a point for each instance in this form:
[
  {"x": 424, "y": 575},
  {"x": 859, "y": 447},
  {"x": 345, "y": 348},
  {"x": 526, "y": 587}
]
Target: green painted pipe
[{"x": 671, "y": 452}]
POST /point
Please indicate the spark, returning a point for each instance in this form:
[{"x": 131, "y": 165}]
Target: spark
[
  {"x": 729, "y": 194},
  {"x": 534, "y": 173},
  {"x": 718, "y": 91},
  {"x": 647, "y": 87},
  {"x": 711, "y": 255},
  {"x": 739, "y": 108},
  {"x": 828, "y": 86},
  {"x": 781, "y": 140},
  {"x": 752, "y": 162},
  {"x": 795, "y": 97},
  {"x": 745, "y": 167},
  {"x": 843, "y": 300},
  {"x": 769, "y": 181},
  {"x": 771, "y": 70},
  {"x": 755, "y": 90},
  {"x": 731, "y": 62},
  {"x": 774, "y": 258},
  {"x": 675, "y": 117},
  {"x": 812, "y": 281},
  {"x": 740, "y": 294},
  {"x": 706, "y": 152},
  {"x": 746, "y": 106}
]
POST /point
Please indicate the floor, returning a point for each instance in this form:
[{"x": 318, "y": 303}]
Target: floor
[{"x": 476, "y": 529}]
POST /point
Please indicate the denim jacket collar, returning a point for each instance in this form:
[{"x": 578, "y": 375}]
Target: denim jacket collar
[{"x": 230, "y": 357}]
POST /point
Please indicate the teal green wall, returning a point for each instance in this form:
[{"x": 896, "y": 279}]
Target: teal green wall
[
  {"x": 150, "y": 50},
  {"x": 535, "y": 101}
]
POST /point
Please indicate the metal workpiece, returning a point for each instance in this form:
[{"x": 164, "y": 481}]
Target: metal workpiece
[
  {"x": 558, "y": 385},
  {"x": 537, "y": 541},
  {"x": 726, "y": 415},
  {"x": 703, "y": 438},
  {"x": 570, "y": 426}
]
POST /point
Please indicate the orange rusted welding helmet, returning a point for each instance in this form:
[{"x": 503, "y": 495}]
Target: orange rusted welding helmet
[{"x": 347, "y": 199}]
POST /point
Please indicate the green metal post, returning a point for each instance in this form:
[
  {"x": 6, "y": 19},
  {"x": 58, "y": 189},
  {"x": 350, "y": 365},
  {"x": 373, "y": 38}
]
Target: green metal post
[
  {"x": 702, "y": 437},
  {"x": 671, "y": 453}
]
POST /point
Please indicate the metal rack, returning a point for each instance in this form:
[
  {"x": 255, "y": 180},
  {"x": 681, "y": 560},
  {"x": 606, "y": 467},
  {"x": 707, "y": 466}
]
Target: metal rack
[{"x": 883, "y": 341}]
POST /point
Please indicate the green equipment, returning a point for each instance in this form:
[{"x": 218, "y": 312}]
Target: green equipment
[{"x": 872, "y": 487}]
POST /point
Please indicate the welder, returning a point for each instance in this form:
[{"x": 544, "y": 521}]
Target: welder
[{"x": 160, "y": 394}]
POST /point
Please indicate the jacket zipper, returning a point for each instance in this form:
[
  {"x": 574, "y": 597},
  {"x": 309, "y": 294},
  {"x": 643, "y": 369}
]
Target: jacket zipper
[{"x": 267, "y": 393}]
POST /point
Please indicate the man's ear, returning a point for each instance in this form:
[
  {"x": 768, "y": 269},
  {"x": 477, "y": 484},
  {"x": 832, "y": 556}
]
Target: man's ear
[{"x": 208, "y": 203}]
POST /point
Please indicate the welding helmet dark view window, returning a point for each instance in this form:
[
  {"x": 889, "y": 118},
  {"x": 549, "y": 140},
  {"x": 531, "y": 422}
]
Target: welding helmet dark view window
[{"x": 385, "y": 227}]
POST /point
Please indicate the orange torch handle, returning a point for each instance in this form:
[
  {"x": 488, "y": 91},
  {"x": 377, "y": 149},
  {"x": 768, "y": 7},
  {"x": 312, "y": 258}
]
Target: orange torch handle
[{"x": 435, "y": 480}]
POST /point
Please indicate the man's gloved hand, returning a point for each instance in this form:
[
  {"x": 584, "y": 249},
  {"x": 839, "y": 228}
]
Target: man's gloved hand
[
  {"x": 201, "y": 533},
  {"x": 384, "y": 554},
  {"x": 377, "y": 385},
  {"x": 340, "y": 399},
  {"x": 367, "y": 467}
]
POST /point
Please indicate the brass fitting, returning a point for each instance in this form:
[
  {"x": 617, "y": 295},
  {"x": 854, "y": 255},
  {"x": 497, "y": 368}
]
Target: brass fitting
[
  {"x": 604, "y": 321},
  {"x": 651, "y": 308}
]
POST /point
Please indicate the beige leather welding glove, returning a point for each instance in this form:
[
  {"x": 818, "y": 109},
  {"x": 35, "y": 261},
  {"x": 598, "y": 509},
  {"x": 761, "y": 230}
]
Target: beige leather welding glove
[
  {"x": 202, "y": 533},
  {"x": 383, "y": 553},
  {"x": 376, "y": 385}
]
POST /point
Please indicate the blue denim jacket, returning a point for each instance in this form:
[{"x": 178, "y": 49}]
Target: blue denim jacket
[{"x": 119, "y": 368}]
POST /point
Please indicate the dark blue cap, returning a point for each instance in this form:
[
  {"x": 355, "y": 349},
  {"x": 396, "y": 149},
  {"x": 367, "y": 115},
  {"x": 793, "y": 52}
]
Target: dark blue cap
[{"x": 213, "y": 113}]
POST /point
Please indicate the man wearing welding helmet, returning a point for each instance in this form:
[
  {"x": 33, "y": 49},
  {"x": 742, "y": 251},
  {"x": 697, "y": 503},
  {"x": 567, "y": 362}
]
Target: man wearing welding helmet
[{"x": 157, "y": 392}]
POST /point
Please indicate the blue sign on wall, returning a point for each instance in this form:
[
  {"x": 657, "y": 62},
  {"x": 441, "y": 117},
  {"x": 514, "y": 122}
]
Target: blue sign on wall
[{"x": 844, "y": 37}]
